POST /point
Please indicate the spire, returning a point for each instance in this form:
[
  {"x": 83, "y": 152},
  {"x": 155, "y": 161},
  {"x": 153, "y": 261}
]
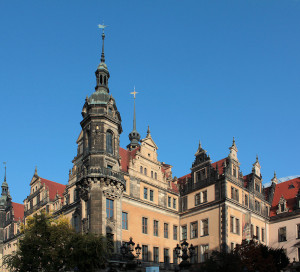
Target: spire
[
  {"x": 148, "y": 132},
  {"x": 102, "y": 74},
  {"x": 103, "y": 37},
  {"x": 134, "y": 136},
  {"x": 274, "y": 179},
  {"x": 134, "y": 117},
  {"x": 200, "y": 149},
  {"x": 4, "y": 171},
  {"x": 4, "y": 185},
  {"x": 233, "y": 150},
  {"x": 35, "y": 171}
]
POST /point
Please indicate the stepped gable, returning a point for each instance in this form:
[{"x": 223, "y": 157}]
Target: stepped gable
[
  {"x": 288, "y": 190},
  {"x": 53, "y": 188},
  {"x": 126, "y": 156},
  {"x": 220, "y": 164},
  {"x": 18, "y": 211}
]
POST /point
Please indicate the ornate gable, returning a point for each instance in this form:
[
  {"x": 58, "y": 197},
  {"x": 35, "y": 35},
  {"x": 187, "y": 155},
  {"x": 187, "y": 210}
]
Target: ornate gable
[{"x": 282, "y": 207}]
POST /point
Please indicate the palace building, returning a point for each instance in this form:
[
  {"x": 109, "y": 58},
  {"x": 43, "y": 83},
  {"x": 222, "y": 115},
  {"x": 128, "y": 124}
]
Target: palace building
[{"x": 127, "y": 192}]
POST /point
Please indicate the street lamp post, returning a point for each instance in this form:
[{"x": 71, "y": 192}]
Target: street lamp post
[
  {"x": 187, "y": 253},
  {"x": 127, "y": 250}
]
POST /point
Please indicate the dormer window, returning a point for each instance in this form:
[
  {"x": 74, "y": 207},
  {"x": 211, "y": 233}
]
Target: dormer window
[{"x": 282, "y": 207}]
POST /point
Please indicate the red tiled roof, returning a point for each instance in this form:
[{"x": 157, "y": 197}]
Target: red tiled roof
[
  {"x": 182, "y": 180},
  {"x": 247, "y": 179},
  {"x": 53, "y": 188},
  {"x": 220, "y": 164},
  {"x": 285, "y": 189},
  {"x": 18, "y": 211},
  {"x": 174, "y": 187},
  {"x": 126, "y": 156}
]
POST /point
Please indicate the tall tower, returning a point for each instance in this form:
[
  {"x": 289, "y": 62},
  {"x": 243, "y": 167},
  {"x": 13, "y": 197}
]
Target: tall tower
[
  {"x": 4, "y": 202},
  {"x": 99, "y": 180}
]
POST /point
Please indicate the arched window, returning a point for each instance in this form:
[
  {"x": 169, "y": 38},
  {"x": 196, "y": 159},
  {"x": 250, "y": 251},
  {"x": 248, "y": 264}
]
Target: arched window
[
  {"x": 151, "y": 174},
  {"x": 101, "y": 79},
  {"x": 141, "y": 169},
  {"x": 105, "y": 80},
  {"x": 109, "y": 142},
  {"x": 145, "y": 171}
]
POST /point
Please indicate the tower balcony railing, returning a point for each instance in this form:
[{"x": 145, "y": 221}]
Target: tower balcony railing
[{"x": 106, "y": 172}]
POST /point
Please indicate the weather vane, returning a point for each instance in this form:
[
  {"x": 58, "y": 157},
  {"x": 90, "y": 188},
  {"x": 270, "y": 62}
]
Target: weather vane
[
  {"x": 134, "y": 92},
  {"x": 102, "y": 26}
]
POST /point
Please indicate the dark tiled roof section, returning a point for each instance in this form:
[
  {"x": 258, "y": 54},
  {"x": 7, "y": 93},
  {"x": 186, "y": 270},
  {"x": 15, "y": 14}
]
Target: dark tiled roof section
[
  {"x": 53, "y": 188},
  {"x": 184, "y": 179},
  {"x": 289, "y": 193},
  {"x": 220, "y": 164},
  {"x": 18, "y": 211},
  {"x": 247, "y": 180},
  {"x": 126, "y": 156}
]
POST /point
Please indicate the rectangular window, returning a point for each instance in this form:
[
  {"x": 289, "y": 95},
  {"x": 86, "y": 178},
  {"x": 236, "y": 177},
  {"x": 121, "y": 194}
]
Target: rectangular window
[
  {"x": 231, "y": 223},
  {"x": 184, "y": 204},
  {"x": 197, "y": 199},
  {"x": 246, "y": 200},
  {"x": 166, "y": 256},
  {"x": 204, "y": 196},
  {"x": 282, "y": 234},
  {"x": 194, "y": 230},
  {"x": 175, "y": 257},
  {"x": 166, "y": 230},
  {"x": 155, "y": 228},
  {"x": 38, "y": 199},
  {"x": 194, "y": 258},
  {"x": 298, "y": 232},
  {"x": 145, "y": 253},
  {"x": 109, "y": 208},
  {"x": 151, "y": 195},
  {"x": 262, "y": 235},
  {"x": 184, "y": 232},
  {"x": 175, "y": 232},
  {"x": 237, "y": 226},
  {"x": 257, "y": 206},
  {"x": 169, "y": 201},
  {"x": 234, "y": 194},
  {"x": 145, "y": 193},
  {"x": 204, "y": 253},
  {"x": 125, "y": 220},
  {"x": 204, "y": 227},
  {"x": 144, "y": 225},
  {"x": 156, "y": 254},
  {"x": 174, "y": 203},
  {"x": 257, "y": 233},
  {"x": 234, "y": 171},
  {"x": 252, "y": 231},
  {"x": 257, "y": 187}
]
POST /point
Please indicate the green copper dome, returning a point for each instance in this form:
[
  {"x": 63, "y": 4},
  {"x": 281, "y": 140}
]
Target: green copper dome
[{"x": 99, "y": 97}]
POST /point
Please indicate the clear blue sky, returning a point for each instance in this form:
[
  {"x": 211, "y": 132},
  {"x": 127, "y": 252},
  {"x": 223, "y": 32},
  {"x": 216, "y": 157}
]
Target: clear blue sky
[{"x": 206, "y": 70}]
